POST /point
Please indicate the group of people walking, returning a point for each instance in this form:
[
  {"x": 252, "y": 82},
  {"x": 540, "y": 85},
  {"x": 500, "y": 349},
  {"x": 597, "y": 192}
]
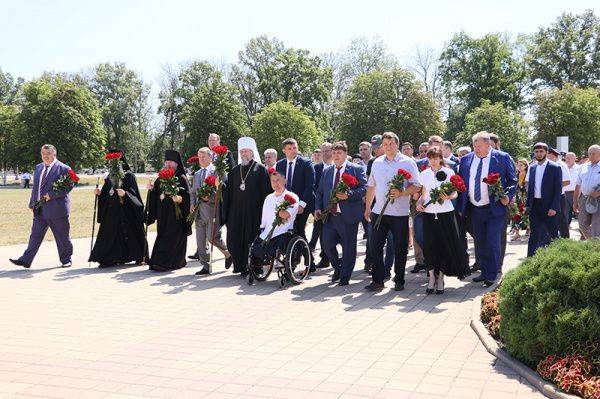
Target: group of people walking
[{"x": 430, "y": 202}]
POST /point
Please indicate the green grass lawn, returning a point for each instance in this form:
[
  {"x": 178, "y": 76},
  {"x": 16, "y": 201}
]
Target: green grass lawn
[{"x": 16, "y": 217}]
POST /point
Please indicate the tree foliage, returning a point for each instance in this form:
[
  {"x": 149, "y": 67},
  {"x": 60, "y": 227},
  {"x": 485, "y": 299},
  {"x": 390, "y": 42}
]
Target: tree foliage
[
  {"x": 499, "y": 119},
  {"x": 9, "y": 88},
  {"x": 393, "y": 100},
  {"x": 566, "y": 52},
  {"x": 64, "y": 114},
  {"x": 572, "y": 112},
  {"x": 9, "y": 124},
  {"x": 281, "y": 120}
]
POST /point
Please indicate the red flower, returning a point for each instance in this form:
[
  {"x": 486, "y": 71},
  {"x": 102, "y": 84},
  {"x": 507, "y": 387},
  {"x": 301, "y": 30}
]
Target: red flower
[
  {"x": 458, "y": 183},
  {"x": 289, "y": 198},
  {"x": 517, "y": 218},
  {"x": 272, "y": 171},
  {"x": 220, "y": 149},
  {"x": 492, "y": 178},
  {"x": 73, "y": 176},
  {"x": 113, "y": 155},
  {"x": 350, "y": 180},
  {"x": 404, "y": 173},
  {"x": 211, "y": 181},
  {"x": 166, "y": 174},
  {"x": 193, "y": 159},
  {"x": 423, "y": 167}
]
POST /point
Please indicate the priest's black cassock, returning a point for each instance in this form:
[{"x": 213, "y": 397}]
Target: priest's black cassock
[
  {"x": 171, "y": 239},
  {"x": 121, "y": 233},
  {"x": 243, "y": 209}
]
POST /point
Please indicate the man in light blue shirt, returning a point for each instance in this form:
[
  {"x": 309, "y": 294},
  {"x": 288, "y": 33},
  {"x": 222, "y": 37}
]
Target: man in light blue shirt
[
  {"x": 588, "y": 189},
  {"x": 395, "y": 215}
]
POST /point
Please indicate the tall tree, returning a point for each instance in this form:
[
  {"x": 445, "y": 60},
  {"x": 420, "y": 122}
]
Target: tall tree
[
  {"x": 123, "y": 99},
  {"x": 425, "y": 65},
  {"x": 64, "y": 114},
  {"x": 508, "y": 124},
  {"x": 9, "y": 124},
  {"x": 209, "y": 105},
  {"x": 566, "y": 52},
  {"x": 572, "y": 112},
  {"x": 379, "y": 101},
  {"x": 269, "y": 72},
  {"x": 473, "y": 70},
  {"x": 281, "y": 120},
  {"x": 9, "y": 88}
]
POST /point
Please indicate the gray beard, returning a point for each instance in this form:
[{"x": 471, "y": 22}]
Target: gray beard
[{"x": 246, "y": 162}]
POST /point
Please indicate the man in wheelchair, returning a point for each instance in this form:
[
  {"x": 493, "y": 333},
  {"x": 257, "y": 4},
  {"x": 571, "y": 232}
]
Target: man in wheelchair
[{"x": 275, "y": 234}]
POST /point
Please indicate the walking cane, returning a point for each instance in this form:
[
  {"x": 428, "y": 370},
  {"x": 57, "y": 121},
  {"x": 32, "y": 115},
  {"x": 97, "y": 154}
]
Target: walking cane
[
  {"x": 94, "y": 219},
  {"x": 146, "y": 226}
]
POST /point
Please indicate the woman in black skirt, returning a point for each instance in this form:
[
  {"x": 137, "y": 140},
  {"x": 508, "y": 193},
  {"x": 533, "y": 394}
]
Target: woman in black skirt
[{"x": 443, "y": 249}]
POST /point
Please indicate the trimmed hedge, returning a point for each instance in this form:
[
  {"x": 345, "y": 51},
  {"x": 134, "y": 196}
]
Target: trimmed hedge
[{"x": 550, "y": 304}]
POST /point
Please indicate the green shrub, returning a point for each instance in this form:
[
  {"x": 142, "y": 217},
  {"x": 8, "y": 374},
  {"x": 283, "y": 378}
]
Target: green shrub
[{"x": 550, "y": 304}]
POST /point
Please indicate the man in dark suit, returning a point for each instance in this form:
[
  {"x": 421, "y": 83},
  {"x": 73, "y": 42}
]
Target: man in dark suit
[
  {"x": 54, "y": 212},
  {"x": 341, "y": 226},
  {"x": 326, "y": 154},
  {"x": 300, "y": 179},
  {"x": 543, "y": 199},
  {"x": 487, "y": 213},
  {"x": 214, "y": 140}
]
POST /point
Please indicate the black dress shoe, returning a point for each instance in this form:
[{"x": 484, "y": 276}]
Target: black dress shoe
[
  {"x": 343, "y": 283},
  {"x": 418, "y": 267},
  {"x": 228, "y": 262},
  {"x": 335, "y": 277},
  {"x": 388, "y": 276},
  {"x": 478, "y": 279},
  {"x": 195, "y": 257},
  {"x": 487, "y": 283},
  {"x": 202, "y": 272},
  {"x": 399, "y": 287},
  {"x": 429, "y": 291},
  {"x": 322, "y": 264},
  {"x": 19, "y": 263},
  {"x": 374, "y": 287},
  {"x": 475, "y": 267}
]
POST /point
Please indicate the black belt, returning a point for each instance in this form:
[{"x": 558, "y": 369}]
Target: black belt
[{"x": 480, "y": 207}]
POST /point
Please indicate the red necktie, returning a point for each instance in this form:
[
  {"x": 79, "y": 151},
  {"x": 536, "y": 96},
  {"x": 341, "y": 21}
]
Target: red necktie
[{"x": 336, "y": 209}]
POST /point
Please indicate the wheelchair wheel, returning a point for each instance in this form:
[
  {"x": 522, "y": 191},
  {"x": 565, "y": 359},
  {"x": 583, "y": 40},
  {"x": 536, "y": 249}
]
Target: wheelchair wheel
[
  {"x": 298, "y": 259},
  {"x": 259, "y": 272}
]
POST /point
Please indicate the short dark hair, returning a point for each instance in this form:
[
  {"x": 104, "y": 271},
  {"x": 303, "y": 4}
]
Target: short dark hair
[
  {"x": 390, "y": 136},
  {"x": 448, "y": 144},
  {"x": 542, "y": 146},
  {"x": 288, "y": 142},
  {"x": 494, "y": 137},
  {"x": 435, "y": 152},
  {"x": 340, "y": 145},
  {"x": 317, "y": 151},
  {"x": 406, "y": 143},
  {"x": 435, "y": 138}
]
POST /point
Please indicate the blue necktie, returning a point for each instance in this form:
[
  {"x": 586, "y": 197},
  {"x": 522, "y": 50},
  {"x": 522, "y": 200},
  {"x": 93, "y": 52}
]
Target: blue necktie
[
  {"x": 478, "y": 181},
  {"x": 289, "y": 176}
]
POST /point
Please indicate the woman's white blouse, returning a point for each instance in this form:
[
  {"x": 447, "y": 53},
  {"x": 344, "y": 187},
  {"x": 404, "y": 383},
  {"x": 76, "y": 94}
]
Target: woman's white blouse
[{"x": 428, "y": 181}]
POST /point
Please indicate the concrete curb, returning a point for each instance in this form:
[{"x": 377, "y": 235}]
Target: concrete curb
[{"x": 548, "y": 389}]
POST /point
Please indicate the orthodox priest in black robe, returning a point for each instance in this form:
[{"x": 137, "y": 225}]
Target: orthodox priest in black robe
[
  {"x": 247, "y": 186},
  {"x": 121, "y": 237},
  {"x": 172, "y": 231}
]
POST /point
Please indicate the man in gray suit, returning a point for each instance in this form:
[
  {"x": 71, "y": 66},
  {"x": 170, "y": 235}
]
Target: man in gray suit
[
  {"x": 54, "y": 212},
  {"x": 205, "y": 217}
]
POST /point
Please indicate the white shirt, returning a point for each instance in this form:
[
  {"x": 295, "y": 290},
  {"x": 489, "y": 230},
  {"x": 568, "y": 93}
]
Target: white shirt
[
  {"x": 42, "y": 174},
  {"x": 429, "y": 182},
  {"x": 539, "y": 176},
  {"x": 566, "y": 176},
  {"x": 589, "y": 177},
  {"x": 26, "y": 176},
  {"x": 573, "y": 174},
  {"x": 382, "y": 172},
  {"x": 268, "y": 214},
  {"x": 485, "y": 168},
  {"x": 342, "y": 170}
]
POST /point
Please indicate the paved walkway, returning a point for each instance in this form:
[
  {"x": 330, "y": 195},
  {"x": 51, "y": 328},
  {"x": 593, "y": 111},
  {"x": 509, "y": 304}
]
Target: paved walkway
[{"x": 124, "y": 333}]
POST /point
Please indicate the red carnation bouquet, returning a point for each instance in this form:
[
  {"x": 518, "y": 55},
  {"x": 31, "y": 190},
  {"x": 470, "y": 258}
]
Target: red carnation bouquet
[
  {"x": 220, "y": 161},
  {"x": 495, "y": 186},
  {"x": 115, "y": 170},
  {"x": 63, "y": 183},
  {"x": 397, "y": 182},
  {"x": 347, "y": 182},
  {"x": 519, "y": 216},
  {"x": 456, "y": 183},
  {"x": 169, "y": 187},
  {"x": 288, "y": 202},
  {"x": 208, "y": 189},
  {"x": 193, "y": 162}
]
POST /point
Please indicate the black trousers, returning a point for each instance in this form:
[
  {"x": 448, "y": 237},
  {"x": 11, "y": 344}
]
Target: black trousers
[
  {"x": 317, "y": 235},
  {"x": 300, "y": 223},
  {"x": 398, "y": 225},
  {"x": 564, "y": 217}
]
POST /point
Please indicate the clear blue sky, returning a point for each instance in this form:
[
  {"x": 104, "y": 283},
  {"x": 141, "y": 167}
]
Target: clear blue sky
[{"x": 69, "y": 35}]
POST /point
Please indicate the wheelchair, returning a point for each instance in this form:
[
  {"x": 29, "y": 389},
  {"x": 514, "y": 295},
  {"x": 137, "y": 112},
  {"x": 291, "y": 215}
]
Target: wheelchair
[{"x": 291, "y": 263}]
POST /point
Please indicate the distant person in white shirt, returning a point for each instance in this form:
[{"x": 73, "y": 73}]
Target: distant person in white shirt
[
  {"x": 587, "y": 191},
  {"x": 571, "y": 161},
  {"x": 26, "y": 177}
]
